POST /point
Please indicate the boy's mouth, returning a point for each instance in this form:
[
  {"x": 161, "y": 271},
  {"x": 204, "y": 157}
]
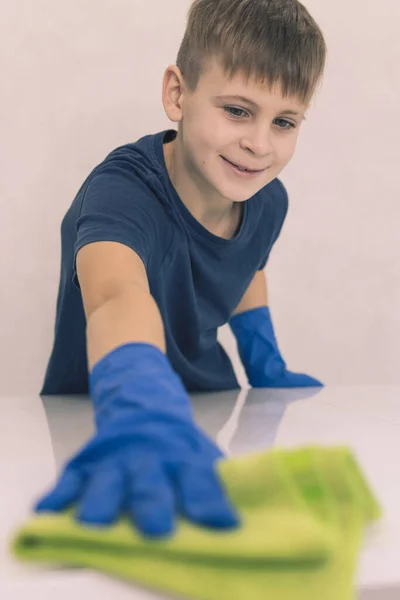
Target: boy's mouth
[{"x": 242, "y": 168}]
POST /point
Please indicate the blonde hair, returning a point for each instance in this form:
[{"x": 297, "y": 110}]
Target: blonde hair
[{"x": 271, "y": 41}]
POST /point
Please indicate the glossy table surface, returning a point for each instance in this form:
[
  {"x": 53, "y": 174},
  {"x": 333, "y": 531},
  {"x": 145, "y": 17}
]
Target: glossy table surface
[{"x": 37, "y": 434}]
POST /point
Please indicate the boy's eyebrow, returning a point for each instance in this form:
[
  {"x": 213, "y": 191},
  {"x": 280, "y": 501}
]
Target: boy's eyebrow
[{"x": 254, "y": 105}]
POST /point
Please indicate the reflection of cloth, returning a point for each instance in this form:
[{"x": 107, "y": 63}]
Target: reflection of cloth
[
  {"x": 303, "y": 517},
  {"x": 70, "y": 421},
  {"x": 70, "y": 418},
  {"x": 255, "y": 426},
  {"x": 239, "y": 420},
  {"x": 212, "y": 411}
]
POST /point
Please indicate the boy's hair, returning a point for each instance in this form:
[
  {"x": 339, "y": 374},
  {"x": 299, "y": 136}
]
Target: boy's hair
[{"x": 270, "y": 41}]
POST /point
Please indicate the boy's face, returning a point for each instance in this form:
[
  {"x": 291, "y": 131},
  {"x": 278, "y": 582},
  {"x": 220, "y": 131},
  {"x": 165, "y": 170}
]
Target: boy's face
[{"x": 215, "y": 128}]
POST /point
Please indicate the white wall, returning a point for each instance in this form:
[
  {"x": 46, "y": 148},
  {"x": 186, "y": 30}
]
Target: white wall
[{"x": 81, "y": 78}]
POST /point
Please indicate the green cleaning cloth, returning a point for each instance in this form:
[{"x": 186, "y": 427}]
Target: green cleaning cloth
[{"x": 303, "y": 513}]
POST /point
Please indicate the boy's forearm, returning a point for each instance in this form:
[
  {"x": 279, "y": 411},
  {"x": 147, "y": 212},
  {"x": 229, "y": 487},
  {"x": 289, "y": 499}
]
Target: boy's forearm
[
  {"x": 256, "y": 294},
  {"x": 132, "y": 315}
]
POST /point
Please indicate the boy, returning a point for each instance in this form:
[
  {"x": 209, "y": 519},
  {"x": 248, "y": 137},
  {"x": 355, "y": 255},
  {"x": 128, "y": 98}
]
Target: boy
[{"x": 165, "y": 242}]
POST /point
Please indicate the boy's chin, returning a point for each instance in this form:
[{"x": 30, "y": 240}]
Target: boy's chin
[{"x": 241, "y": 195}]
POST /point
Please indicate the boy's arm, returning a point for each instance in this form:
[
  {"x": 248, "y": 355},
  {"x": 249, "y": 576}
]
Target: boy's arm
[
  {"x": 147, "y": 456},
  {"x": 118, "y": 305},
  {"x": 256, "y": 294},
  {"x": 258, "y": 348}
]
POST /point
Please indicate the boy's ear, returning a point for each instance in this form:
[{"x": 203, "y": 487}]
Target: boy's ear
[{"x": 172, "y": 93}]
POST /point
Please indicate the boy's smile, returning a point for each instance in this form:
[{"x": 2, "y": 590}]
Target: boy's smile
[{"x": 241, "y": 170}]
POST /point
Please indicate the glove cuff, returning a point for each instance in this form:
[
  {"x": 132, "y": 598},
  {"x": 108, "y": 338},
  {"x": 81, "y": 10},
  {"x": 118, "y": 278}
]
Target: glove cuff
[
  {"x": 257, "y": 345},
  {"x": 250, "y": 319},
  {"x": 136, "y": 376}
]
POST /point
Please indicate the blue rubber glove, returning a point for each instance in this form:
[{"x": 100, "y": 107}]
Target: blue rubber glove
[
  {"x": 147, "y": 459},
  {"x": 258, "y": 350}
]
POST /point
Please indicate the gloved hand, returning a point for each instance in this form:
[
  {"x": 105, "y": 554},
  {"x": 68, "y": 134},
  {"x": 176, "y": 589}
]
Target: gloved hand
[
  {"x": 258, "y": 350},
  {"x": 147, "y": 459}
]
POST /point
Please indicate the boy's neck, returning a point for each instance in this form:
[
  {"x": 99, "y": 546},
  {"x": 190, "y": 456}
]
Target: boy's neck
[{"x": 222, "y": 220}]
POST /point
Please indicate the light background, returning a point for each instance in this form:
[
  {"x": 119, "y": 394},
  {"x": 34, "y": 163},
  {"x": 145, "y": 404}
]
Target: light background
[{"x": 80, "y": 78}]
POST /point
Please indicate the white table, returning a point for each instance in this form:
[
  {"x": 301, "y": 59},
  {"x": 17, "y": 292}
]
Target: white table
[{"x": 38, "y": 434}]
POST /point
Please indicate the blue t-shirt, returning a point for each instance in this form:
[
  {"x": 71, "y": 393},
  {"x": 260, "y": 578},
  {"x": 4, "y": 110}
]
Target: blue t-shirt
[{"x": 196, "y": 278}]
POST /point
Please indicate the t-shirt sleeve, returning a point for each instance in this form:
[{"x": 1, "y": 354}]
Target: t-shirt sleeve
[
  {"x": 281, "y": 205},
  {"x": 118, "y": 206}
]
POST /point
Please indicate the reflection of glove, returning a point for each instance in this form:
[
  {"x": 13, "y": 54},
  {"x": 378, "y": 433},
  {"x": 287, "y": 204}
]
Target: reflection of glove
[
  {"x": 148, "y": 457},
  {"x": 258, "y": 350}
]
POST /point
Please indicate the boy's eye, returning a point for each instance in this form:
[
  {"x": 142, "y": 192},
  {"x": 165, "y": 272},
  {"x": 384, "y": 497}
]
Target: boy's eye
[
  {"x": 230, "y": 110},
  {"x": 289, "y": 124},
  {"x": 233, "y": 112}
]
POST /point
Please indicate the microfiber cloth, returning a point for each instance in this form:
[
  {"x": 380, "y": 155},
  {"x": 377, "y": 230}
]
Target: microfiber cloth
[{"x": 303, "y": 512}]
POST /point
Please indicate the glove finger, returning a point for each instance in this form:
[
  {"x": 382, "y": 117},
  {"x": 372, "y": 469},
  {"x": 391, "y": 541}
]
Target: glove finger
[
  {"x": 103, "y": 497},
  {"x": 202, "y": 497},
  {"x": 151, "y": 499},
  {"x": 301, "y": 380},
  {"x": 67, "y": 490}
]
